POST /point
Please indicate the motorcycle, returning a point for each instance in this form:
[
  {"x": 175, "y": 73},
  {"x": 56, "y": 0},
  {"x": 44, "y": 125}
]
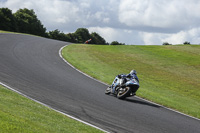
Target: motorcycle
[{"x": 124, "y": 86}]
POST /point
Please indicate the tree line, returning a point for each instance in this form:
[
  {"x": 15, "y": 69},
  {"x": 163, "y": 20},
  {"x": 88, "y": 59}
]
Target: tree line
[{"x": 26, "y": 21}]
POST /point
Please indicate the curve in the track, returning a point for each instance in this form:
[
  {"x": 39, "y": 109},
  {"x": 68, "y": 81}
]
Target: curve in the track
[{"x": 32, "y": 66}]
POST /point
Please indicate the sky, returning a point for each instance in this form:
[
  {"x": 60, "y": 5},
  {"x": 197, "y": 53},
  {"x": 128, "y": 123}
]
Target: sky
[{"x": 138, "y": 22}]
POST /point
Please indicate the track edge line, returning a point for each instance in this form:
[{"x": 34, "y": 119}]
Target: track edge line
[{"x": 72, "y": 117}]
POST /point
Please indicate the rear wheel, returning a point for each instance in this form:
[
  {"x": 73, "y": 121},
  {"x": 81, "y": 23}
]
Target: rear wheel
[{"x": 123, "y": 92}]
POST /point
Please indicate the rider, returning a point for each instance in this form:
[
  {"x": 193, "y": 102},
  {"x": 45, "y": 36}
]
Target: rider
[{"x": 132, "y": 73}]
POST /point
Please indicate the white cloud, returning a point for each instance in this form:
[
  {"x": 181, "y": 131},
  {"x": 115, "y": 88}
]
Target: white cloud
[
  {"x": 109, "y": 34},
  {"x": 126, "y": 21},
  {"x": 120, "y": 35},
  {"x": 164, "y": 14},
  {"x": 150, "y": 38},
  {"x": 192, "y": 35}
]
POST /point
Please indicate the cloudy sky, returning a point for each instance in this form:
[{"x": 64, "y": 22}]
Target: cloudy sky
[{"x": 140, "y": 22}]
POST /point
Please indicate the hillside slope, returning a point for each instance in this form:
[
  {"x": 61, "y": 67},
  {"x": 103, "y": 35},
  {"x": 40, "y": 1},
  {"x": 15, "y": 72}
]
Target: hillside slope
[{"x": 169, "y": 75}]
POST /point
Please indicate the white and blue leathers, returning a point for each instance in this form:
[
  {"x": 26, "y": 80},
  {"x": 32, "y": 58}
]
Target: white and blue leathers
[{"x": 123, "y": 76}]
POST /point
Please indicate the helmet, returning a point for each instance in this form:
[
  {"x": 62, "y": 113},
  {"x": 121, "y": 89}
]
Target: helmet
[{"x": 133, "y": 72}]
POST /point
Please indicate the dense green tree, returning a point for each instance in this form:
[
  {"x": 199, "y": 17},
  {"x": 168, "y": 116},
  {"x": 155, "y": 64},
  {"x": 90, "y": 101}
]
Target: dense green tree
[
  {"x": 72, "y": 37},
  {"x": 28, "y": 22},
  {"x": 56, "y": 34},
  {"x": 7, "y": 20},
  {"x": 82, "y": 34},
  {"x": 97, "y": 39}
]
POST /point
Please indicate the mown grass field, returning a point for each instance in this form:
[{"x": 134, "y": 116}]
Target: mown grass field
[
  {"x": 21, "y": 115},
  {"x": 169, "y": 75}
]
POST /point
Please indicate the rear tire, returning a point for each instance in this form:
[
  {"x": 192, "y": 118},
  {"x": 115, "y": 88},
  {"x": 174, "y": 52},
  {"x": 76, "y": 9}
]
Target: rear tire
[{"x": 123, "y": 92}]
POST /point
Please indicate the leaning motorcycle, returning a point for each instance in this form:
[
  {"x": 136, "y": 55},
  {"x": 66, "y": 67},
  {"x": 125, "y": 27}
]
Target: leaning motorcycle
[{"x": 123, "y": 86}]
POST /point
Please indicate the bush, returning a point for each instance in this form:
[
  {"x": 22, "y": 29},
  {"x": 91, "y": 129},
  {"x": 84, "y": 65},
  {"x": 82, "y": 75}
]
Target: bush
[
  {"x": 186, "y": 43},
  {"x": 166, "y": 43},
  {"x": 116, "y": 43}
]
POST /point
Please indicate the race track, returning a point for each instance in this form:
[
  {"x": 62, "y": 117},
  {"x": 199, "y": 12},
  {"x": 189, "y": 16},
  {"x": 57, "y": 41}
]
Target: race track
[{"x": 32, "y": 66}]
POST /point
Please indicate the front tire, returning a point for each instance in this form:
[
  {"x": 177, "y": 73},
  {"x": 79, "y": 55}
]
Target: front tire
[
  {"x": 108, "y": 91},
  {"x": 123, "y": 92}
]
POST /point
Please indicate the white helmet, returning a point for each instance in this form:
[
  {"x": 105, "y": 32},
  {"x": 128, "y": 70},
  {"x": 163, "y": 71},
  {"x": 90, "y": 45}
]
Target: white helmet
[{"x": 133, "y": 72}]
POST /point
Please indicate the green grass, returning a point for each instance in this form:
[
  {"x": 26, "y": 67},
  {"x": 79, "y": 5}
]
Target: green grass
[
  {"x": 21, "y": 115},
  {"x": 169, "y": 75},
  {"x": 2, "y": 31}
]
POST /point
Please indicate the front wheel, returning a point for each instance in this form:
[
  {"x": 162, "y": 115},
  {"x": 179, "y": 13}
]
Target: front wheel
[
  {"x": 108, "y": 91},
  {"x": 123, "y": 92}
]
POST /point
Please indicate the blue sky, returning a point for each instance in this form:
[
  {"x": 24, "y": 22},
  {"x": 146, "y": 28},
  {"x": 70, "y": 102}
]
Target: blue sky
[{"x": 141, "y": 22}]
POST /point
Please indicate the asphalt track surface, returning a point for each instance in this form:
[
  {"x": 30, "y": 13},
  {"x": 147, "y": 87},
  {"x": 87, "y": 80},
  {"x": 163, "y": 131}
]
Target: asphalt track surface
[{"x": 32, "y": 66}]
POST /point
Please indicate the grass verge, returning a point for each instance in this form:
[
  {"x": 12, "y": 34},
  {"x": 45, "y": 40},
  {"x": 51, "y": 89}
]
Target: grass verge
[
  {"x": 20, "y": 114},
  {"x": 169, "y": 75},
  {"x": 2, "y": 31}
]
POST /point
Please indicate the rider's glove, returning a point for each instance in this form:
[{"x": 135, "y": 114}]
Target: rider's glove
[
  {"x": 129, "y": 75},
  {"x": 119, "y": 76}
]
